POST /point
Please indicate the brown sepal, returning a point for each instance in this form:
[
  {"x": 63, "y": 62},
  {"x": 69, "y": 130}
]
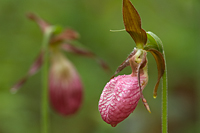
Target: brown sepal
[
  {"x": 160, "y": 66},
  {"x": 42, "y": 24},
  {"x": 36, "y": 64},
  {"x": 33, "y": 69},
  {"x": 83, "y": 52},
  {"x": 19, "y": 84},
  {"x": 132, "y": 23}
]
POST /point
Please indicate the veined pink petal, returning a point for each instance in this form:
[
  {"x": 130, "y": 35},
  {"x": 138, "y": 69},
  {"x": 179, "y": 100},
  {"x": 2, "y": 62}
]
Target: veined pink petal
[
  {"x": 66, "y": 90},
  {"x": 119, "y": 98}
]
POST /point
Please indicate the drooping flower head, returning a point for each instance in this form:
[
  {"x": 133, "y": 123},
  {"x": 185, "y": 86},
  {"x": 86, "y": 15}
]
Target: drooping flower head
[
  {"x": 121, "y": 94},
  {"x": 65, "y": 86}
]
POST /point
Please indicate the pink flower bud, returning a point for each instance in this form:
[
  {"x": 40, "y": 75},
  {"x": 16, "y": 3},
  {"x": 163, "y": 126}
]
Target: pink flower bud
[
  {"x": 66, "y": 90},
  {"x": 120, "y": 97}
]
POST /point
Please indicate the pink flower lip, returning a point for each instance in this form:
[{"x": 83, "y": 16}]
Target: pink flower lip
[
  {"x": 65, "y": 87},
  {"x": 119, "y": 98},
  {"x": 65, "y": 96}
]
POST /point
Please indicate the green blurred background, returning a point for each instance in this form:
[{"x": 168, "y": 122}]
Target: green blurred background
[{"x": 176, "y": 22}]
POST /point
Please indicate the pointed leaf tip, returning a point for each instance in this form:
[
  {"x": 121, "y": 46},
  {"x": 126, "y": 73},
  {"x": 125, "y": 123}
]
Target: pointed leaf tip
[{"x": 132, "y": 23}]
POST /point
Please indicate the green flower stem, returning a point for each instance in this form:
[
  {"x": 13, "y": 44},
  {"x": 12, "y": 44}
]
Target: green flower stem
[
  {"x": 45, "y": 104},
  {"x": 165, "y": 101},
  {"x": 198, "y": 102}
]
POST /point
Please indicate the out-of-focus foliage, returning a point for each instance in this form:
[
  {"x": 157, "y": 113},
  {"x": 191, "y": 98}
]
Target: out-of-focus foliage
[{"x": 176, "y": 22}]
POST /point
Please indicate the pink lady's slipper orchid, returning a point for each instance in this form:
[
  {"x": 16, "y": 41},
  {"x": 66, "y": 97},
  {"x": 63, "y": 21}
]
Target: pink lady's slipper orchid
[
  {"x": 121, "y": 94},
  {"x": 65, "y": 86}
]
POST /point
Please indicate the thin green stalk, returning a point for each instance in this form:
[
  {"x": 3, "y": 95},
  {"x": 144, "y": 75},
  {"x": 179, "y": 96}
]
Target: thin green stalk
[
  {"x": 165, "y": 101},
  {"x": 198, "y": 101},
  {"x": 196, "y": 27},
  {"x": 45, "y": 104}
]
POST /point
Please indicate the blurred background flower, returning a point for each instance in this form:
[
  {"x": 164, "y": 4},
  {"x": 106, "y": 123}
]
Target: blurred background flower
[
  {"x": 175, "y": 22},
  {"x": 64, "y": 85}
]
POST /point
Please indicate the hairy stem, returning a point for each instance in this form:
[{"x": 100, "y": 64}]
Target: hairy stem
[{"x": 165, "y": 101}]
